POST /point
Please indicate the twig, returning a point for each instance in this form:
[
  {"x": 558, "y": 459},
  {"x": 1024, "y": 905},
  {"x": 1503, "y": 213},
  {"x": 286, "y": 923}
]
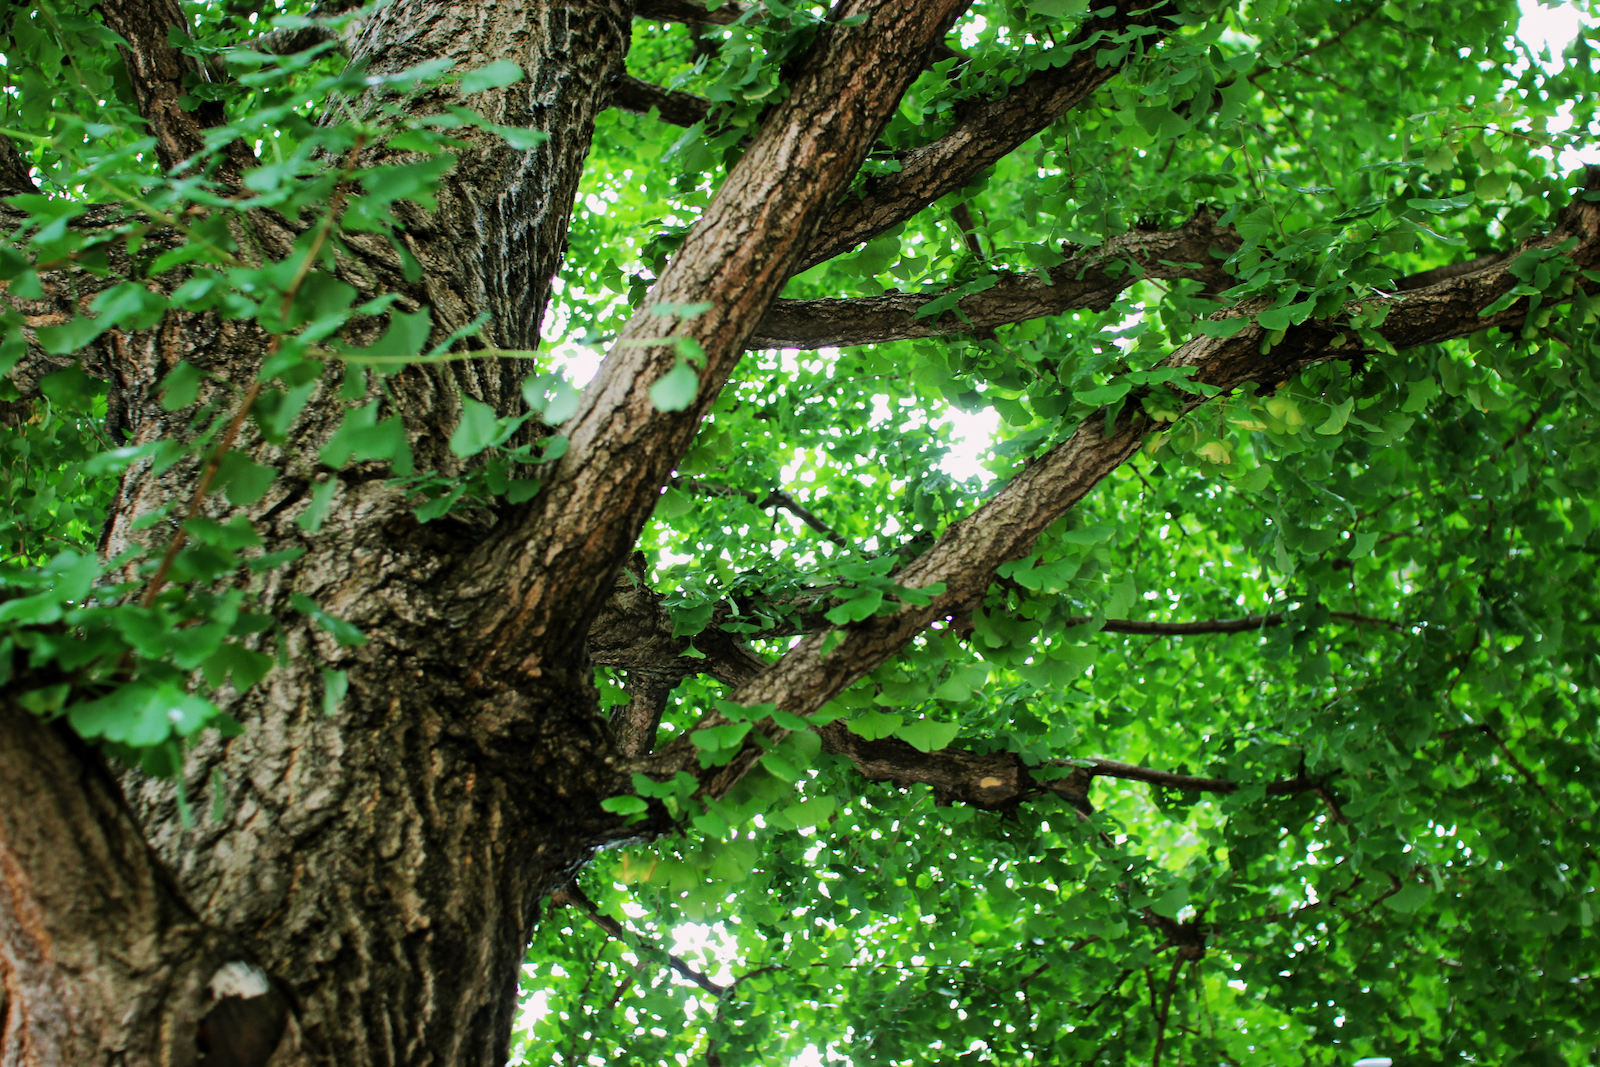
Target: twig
[
  {"x": 777, "y": 498},
  {"x": 214, "y": 463},
  {"x": 1166, "y": 1006},
  {"x": 612, "y": 927}
]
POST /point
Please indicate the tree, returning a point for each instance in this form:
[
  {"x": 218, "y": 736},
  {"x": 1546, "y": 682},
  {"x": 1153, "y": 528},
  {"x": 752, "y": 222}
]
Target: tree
[{"x": 1243, "y": 712}]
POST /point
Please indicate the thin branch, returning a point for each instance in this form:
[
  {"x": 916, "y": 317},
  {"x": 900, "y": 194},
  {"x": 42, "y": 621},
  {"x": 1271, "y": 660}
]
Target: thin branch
[
  {"x": 962, "y": 214},
  {"x": 986, "y": 132},
  {"x": 1166, "y": 1006},
  {"x": 574, "y": 895},
  {"x": 1222, "y": 626},
  {"x": 777, "y": 498}
]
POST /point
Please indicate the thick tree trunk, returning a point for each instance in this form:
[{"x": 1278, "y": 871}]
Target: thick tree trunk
[{"x": 383, "y": 862}]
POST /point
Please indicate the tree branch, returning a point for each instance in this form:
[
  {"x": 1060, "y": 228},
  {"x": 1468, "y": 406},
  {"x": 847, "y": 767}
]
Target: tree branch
[
  {"x": 998, "y": 780},
  {"x": 986, "y": 132},
  {"x": 690, "y": 11},
  {"x": 777, "y": 498},
  {"x": 571, "y": 894},
  {"x": 14, "y": 176},
  {"x": 640, "y": 97},
  {"x": 1088, "y": 279}
]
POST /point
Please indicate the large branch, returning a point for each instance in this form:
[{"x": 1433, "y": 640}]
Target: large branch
[
  {"x": 1089, "y": 280},
  {"x": 556, "y": 561},
  {"x": 965, "y": 558},
  {"x": 988, "y": 131}
]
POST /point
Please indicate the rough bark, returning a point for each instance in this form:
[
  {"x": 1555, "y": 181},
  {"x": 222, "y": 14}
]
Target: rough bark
[
  {"x": 102, "y": 960},
  {"x": 385, "y": 862},
  {"x": 678, "y": 108}
]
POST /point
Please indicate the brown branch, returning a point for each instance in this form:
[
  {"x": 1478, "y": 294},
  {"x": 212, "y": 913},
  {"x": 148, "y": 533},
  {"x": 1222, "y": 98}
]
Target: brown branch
[
  {"x": 634, "y": 633},
  {"x": 641, "y": 97},
  {"x": 157, "y": 71},
  {"x": 962, "y": 214},
  {"x": 571, "y": 894},
  {"x": 634, "y": 725},
  {"x": 14, "y": 176},
  {"x": 1221, "y": 626},
  {"x": 690, "y": 11},
  {"x": 1166, "y": 1005},
  {"x": 777, "y": 498},
  {"x": 1088, "y": 279},
  {"x": 297, "y": 39},
  {"x": 998, "y": 780},
  {"x": 986, "y": 132}
]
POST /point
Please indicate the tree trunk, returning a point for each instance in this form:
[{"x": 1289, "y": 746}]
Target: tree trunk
[{"x": 383, "y": 862}]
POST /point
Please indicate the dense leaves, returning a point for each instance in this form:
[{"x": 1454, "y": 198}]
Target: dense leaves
[{"x": 1354, "y": 817}]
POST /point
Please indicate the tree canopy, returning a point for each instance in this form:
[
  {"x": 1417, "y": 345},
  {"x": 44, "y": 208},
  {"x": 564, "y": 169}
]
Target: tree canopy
[{"x": 1243, "y": 710}]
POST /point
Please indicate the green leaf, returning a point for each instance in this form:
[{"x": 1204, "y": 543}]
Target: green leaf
[
  {"x": 716, "y": 738},
  {"x": 243, "y": 479},
  {"x": 1058, "y": 9},
  {"x": 316, "y": 513},
  {"x": 496, "y": 75},
  {"x": 1411, "y": 896},
  {"x": 625, "y": 805},
  {"x": 1440, "y": 207},
  {"x": 181, "y": 386},
  {"x": 69, "y": 337},
  {"x": 1335, "y": 422},
  {"x": 477, "y": 429},
  {"x": 874, "y": 725},
  {"x": 926, "y": 735},
  {"x": 342, "y": 631},
  {"x": 863, "y": 604},
  {"x": 335, "y": 684},
  {"x": 675, "y": 390},
  {"x": 813, "y": 812}
]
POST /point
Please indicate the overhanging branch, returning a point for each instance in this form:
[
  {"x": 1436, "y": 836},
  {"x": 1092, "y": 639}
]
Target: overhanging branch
[
  {"x": 777, "y": 498},
  {"x": 689, "y": 11},
  {"x": 640, "y": 97},
  {"x": 1087, "y": 280},
  {"x": 987, "y": 131}
]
